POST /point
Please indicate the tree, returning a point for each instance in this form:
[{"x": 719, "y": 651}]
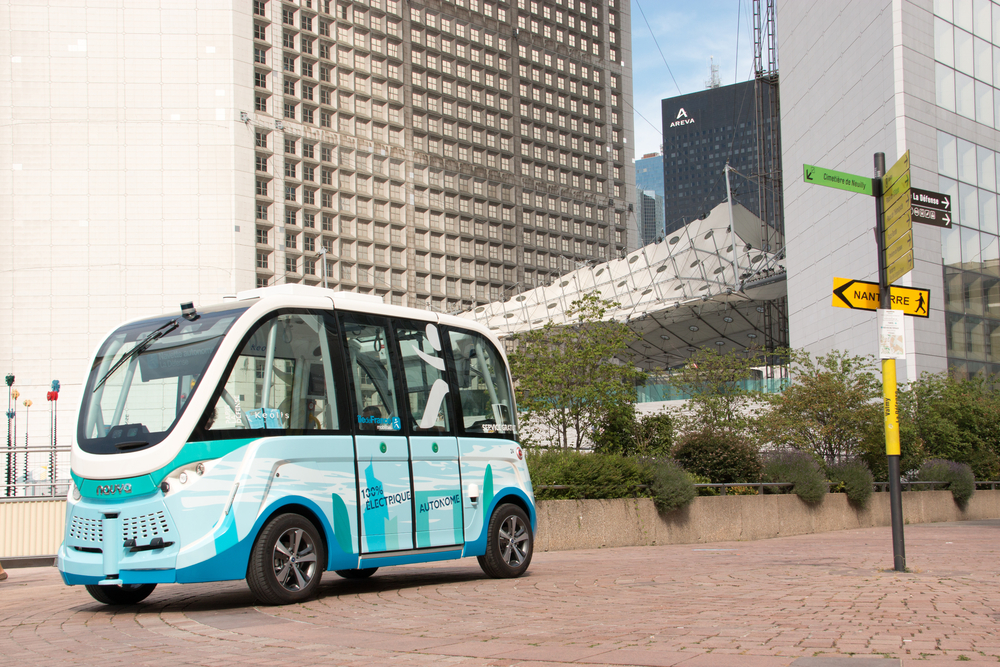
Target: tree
[
  {"x": 719, "y": 396},
  {"x": 956, "y": 419},
  {"x": 832, "y": 410},
  {"x": 567, "y": 377}
]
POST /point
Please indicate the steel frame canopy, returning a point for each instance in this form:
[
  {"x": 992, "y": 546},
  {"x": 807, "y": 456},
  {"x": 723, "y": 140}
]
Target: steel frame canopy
[{"x": 703, "y": 287}]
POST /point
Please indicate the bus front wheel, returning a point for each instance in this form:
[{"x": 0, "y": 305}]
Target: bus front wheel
[
  {"x": 509, "y": 543},
  {"x": 286, "y": 563},
  {"x": 121, "y": 594}
]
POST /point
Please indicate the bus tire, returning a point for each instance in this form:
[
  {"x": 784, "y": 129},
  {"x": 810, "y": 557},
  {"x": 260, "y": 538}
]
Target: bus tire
[
  {"x": 362, "y": 573},
  {"x": 121, "y": 594},
  {"x": 286, "y": 563},
  {"x": 509, "y": 543}
]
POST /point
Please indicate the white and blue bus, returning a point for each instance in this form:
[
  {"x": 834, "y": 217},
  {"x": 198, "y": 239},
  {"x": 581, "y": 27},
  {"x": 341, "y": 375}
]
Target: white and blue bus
[{"x": 289, "y": 431}]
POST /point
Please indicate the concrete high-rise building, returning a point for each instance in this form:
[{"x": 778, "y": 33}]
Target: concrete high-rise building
[
  {"x": 883, "y": 76},
  {"x": 441, "y": 153},
  {"x": 702, "y": 132}
]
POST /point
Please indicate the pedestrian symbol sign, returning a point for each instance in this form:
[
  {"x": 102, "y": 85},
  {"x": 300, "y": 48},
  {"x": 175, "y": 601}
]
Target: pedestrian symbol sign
[{"x": 864, "y": 295}]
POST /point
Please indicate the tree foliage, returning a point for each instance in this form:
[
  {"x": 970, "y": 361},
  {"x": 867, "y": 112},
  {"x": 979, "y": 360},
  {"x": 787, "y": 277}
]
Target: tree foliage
[
  {"x": 717, "y": 384},
  {"x": 956, "y": 419},
  {"x": 622, "y": 431},
  {"x": 832, "y": 409},
  {"x": 568, "y": 377}
]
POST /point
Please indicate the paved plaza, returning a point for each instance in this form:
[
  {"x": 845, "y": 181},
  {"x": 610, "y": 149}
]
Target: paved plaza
[{"x": 811, "y": 601}]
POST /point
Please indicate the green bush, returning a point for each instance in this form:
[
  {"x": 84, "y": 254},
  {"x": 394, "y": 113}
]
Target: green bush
[
  {"x": 854, "y": 479},
  {"x": 620, "y": 431},
  {"x": 801, "y": 470},
  {"x": 721, "y": 456},
  {"x": 956, "y": 477},
  {"x": 587, "y": 475},
  {"x": 672, "y": 487},
  {"x": 701, "y": 479}
]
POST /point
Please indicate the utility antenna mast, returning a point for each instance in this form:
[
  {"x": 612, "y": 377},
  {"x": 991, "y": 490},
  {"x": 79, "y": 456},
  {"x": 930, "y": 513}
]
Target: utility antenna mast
[
  {"x": 714, "y": 81},
  {"x": 769, "y": 181}
]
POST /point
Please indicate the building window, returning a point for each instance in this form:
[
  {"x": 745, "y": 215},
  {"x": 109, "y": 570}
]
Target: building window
[
  {"x": 260, "y": 103},
  {"x": 262, "y": 260},
  {"x": 262, "y": 211},
  {"x": 290, "y": 241},
  {"x": 290, "y": 217},
  {"x": 260, "y": 138},
  {"x": 291, "y": 264},
  {"x": 262, "y": 236},
  {"x": 259, "y": 7},
  {"x": 261, "y": 188},
  {"x": 289, "y": 193},
  {"x": 260, "y": 79}
]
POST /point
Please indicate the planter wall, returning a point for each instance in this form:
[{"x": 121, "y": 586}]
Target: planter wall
[{"x": 587, "y": 524}]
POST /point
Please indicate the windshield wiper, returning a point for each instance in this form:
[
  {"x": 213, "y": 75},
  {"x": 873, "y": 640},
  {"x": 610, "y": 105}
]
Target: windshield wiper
[{"x": 139, "y": 347}]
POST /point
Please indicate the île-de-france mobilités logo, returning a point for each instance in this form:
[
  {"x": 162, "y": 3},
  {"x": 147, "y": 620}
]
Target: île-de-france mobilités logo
[{"x": 682, "y": 118}]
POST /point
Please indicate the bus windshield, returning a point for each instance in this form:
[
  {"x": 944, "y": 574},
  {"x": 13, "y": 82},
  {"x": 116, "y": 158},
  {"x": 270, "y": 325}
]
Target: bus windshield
[{"x": 143, "y": 376}]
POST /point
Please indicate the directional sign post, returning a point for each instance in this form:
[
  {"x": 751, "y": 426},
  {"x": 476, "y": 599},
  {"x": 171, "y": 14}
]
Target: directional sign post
[
  {"x": 837, "y": 179},
  {"x": 864, "y": 295},
  {"x": 894, "y": 261},
  {"x": 897, "y": 206}
]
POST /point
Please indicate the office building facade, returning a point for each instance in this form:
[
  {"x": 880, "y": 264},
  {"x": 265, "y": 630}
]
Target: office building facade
[
  {"x": 920, "y": 76},
  {"x": 702, "y": 132},
  {"x": 439, "y": 153},
  {"x": 649, "y": 173}
]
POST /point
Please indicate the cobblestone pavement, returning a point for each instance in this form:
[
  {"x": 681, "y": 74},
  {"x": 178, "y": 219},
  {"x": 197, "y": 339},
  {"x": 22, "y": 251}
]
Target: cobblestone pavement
[{"x": 809, "y": 601}]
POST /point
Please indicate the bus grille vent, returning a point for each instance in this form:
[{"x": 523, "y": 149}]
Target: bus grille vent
[
  {"x": 145, "y": 526},
  {"x": 86, "y": 530}
]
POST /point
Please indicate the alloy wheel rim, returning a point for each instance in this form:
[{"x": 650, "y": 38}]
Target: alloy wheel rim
[
  {"x": 513, "y": 541},
  {"x": 294, "y": 559}
]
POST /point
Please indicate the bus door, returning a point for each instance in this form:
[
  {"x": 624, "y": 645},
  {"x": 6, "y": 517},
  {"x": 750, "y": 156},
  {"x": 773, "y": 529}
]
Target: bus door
[
  {"x": 385, "y": 494},
  {"x": 437, "y": 483}
]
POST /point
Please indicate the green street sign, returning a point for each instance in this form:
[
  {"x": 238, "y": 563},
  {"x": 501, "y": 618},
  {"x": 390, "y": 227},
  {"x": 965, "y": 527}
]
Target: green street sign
[{"x": 837, "y": 179}]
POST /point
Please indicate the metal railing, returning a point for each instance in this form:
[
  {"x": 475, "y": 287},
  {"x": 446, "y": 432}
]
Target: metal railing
[
  {"x": 760, "y": 486},
  {"x": 34, "y": 472}
]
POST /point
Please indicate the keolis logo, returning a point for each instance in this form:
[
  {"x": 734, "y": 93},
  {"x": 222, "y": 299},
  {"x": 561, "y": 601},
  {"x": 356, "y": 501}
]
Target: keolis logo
[{"x": 682, "y": 118}]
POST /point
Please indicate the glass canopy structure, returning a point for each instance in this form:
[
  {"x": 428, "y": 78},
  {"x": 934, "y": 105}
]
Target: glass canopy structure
[{"x": 708, "y": 285}]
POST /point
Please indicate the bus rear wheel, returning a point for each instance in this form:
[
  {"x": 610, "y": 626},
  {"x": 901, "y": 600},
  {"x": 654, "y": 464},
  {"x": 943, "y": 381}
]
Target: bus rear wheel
[
  {"x": 286, "y": 563},
  {"x": 509, "y": 543},
  {"x": 121, "y": 594}
]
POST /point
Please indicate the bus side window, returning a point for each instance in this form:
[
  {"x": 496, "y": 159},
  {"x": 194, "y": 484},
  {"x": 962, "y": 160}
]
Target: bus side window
[
  {"x": 369, "y": 366},
  {"x": 281, "y": 379},
  {"x": 423, "y": 364},
  {"x": 483, "y": 387}
]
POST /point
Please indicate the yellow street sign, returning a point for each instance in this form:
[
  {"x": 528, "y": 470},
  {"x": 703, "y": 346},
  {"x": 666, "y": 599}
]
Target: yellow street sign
[
  {"x": 864, "y": 295},
  {"x": 897, "y": 229},
  {"x": 903, "y": 245},
  {"x": 900, "y": 267},
  {"x": 896, "y": 171},
  {"x": 899, "y": 208},
  {"x": 899, "y": 188}
]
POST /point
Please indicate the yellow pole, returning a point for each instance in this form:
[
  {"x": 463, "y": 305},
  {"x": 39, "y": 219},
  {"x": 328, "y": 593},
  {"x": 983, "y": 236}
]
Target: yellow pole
[{"x": 889, "y": 401}]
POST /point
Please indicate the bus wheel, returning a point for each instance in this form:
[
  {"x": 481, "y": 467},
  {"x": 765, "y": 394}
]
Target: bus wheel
[
  {"x": 286, "y": 563},
  {"x": 363, "y": 573},
  {"x": 121, "y": 594},
  {"x": 508, "y": 543}
]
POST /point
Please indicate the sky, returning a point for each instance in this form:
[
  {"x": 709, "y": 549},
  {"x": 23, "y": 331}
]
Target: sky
[{"x": 689, "y": 33}]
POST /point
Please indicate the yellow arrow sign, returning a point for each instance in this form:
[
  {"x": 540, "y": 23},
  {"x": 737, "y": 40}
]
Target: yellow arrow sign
[
  {"x": 900, "y": 267},
  {"x": 899, "y": 208},
  {"x": 896, "y": 171},
  {"x": 902, "y": 246},
  {"x": 864, "y": 295},
  {"x": 895, "y": 191},
  {"x": 897, "y": 229}
]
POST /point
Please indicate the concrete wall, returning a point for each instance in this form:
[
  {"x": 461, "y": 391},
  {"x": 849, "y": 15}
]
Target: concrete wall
[
  {"x": 33, "y": 529},
  {"x": 586, "y": 524}
]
